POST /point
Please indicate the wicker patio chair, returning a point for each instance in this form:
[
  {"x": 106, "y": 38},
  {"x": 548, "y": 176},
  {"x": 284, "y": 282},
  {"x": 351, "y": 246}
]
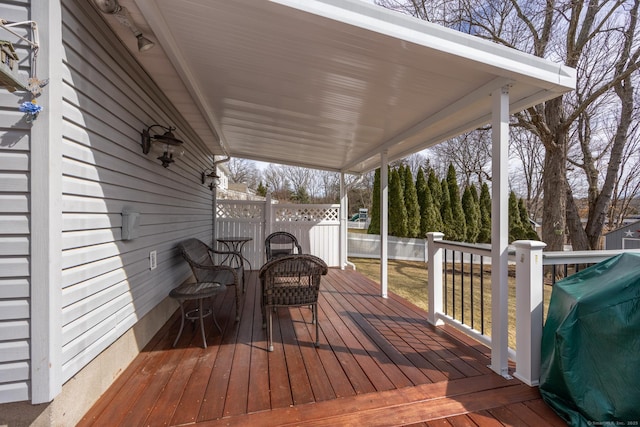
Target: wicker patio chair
[
  {"x": 205, "y": 270},
  {"x": 281, "y": 243},
  {"x": 290, "y": 281}
]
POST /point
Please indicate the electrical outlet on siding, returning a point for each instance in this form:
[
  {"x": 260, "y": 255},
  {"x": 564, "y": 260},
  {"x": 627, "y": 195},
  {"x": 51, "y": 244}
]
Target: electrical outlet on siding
[{"x": 153, "y": 260}]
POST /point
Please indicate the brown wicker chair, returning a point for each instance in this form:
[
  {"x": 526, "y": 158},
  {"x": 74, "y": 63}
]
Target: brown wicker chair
[
  {"x": 281, "y": 243},
  {"x": 290, "y": 281},
  {"x": 205, "y": 270}
]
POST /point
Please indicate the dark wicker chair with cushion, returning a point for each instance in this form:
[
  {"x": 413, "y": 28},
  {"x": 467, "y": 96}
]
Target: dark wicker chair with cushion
[
  {"x": 281, "y": 243},
  {"x": 205, "y": 270},
  {"x": 290, "y": 281}
]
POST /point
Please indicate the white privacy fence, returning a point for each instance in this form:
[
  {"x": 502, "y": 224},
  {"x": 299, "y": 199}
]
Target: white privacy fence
[
  {"x": 368, "y": 246},
  {"x": 317, "y": 227}
]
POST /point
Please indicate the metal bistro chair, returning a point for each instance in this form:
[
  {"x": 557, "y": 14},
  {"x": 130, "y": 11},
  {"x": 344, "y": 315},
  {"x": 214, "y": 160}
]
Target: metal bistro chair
[
  {"x": 281, "y": 243},
  {"x": 211, "y": 279},
  {"x": 290, "y": 281}
]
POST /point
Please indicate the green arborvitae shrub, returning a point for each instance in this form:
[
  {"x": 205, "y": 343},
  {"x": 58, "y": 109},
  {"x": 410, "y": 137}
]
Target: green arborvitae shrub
[
  {"x": 435, "y": 187},
  {"x": 421, "y": 186},
  {"x": 516, "y": 231},
  {"x": 374, "y": 212},
  {"x": 476, "y": 200},
  {"x": 421, "y": 191},
  {"x": 430, "y": 219},
  {"x": 484, "y": 236},
  {"x": 529, "y": 230},
  {"x": 460, "y": 224},
  {"x": 445, "y": 211},
  {"x": 411, "y": 204},
  {"x": 397, "y": 210},
  {"x": 471, "y": 211},
  {"x": 401, "y": 169}
]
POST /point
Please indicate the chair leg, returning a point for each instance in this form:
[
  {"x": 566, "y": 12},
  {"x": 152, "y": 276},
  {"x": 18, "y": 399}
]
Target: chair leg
[
  {"x": 181, "y": 323},
  {"x": 213, "y": 314},
  {"x": 238, "y": 295},
  {"x": 315, "y": 316},
  {"x": 270, "y": 331},
  {"x": 200, "y": 311}
]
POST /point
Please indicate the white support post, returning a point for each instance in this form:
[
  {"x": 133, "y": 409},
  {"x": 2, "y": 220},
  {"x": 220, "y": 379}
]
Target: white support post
[
  {"x": 344, "y": 209},
  {"x": 434, "y": 266},
  {"x": 384, "y": 222},
  {"x": 46, "y": 211},
  {"x": 214, "y": 219},
  {"x": 500, "y": 232},
  {"x": 268, "y": 219},
  {"x": 529, "y": 307}
]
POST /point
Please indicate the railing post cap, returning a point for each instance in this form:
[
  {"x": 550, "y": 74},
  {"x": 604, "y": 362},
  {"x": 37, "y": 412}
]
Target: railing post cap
[
  {"x": 529, "y": 244},
  {"x": 435, "y": 235}
]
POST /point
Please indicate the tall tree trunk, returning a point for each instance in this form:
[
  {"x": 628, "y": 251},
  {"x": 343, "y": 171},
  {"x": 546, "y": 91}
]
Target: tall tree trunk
[
  {"x": 555, "y": 196},
  {"x": 555, "y": 184},
  {"x": 577, "y": 235},
  {"x": 600, "y": 205}
]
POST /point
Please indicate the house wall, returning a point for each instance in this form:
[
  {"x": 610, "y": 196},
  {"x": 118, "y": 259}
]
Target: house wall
[
  {"x": 15, "y": 144},
  {"x": 104, "y": 286},
  {"x": 107, "y": 284}
]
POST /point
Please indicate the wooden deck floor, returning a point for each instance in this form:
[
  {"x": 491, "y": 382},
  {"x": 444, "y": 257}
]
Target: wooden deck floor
[{"x": 379, "y": 363}]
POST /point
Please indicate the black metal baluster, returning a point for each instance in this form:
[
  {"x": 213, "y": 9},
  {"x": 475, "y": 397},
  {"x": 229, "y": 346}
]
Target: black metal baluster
[
  {"x": 482, "y": 294},
  {"x": 453, "y": 281},
  {"x": 472, "y": 293},
  {"x": 446, "y": 285},
  {"x": 462, "y": 284}
]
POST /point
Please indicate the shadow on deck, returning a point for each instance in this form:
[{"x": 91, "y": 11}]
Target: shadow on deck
[{"x": 379, "y": 363}]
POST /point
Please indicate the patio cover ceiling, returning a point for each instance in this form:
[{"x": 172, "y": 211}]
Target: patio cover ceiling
[{"x": 327, "y": 84}]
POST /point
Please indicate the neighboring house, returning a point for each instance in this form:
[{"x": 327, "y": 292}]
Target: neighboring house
[
  {"x": 341, "y": 86},
  {"x": 626, "y": 237}
]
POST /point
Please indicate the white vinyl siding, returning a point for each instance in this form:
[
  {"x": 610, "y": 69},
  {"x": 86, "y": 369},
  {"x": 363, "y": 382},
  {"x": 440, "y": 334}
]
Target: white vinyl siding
[
  {"x": 14, "y": 228},
  {"x": 106, "y": 282}
]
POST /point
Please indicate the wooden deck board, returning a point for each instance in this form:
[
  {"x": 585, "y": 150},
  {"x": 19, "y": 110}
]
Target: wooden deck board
[{"x": 379, "y": 363}]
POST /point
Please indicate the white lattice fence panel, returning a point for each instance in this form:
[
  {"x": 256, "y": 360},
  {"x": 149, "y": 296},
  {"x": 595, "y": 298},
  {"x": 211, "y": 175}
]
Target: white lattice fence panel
[
  {"x": 239, "y": 209},
  {"x": 246, "y": 219},
  {"x": 307, "y": 213},
  {"x": 317, "y": 228}
]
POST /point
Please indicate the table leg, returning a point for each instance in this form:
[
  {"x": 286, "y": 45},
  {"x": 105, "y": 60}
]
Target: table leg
[
  {"x": 181, "y": 322},
  {"x": 200, "y": 315}
]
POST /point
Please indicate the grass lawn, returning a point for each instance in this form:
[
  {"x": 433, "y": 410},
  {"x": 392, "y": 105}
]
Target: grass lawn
[{"x": 408, "y": 279}]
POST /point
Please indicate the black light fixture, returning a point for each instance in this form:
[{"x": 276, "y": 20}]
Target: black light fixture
[
  {"x": 144, "y": 44},
  {"x": 213, "y": 176},
  {"x": 167, "y": 139},
  {"x": 121, "y": 13}
]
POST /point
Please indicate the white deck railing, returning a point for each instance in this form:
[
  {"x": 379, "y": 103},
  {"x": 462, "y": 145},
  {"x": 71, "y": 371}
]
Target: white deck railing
[{"x": 529, "y": 260}]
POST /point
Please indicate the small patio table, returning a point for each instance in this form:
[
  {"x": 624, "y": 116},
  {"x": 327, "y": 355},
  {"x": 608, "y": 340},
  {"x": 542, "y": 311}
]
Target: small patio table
[
  {"x": 197, "y": 291},
  {"x": 235, "y": 244}
]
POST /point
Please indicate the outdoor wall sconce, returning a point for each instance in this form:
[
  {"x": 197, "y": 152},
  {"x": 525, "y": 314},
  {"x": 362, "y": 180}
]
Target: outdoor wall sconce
[
  {"x": 167, "y": 140},
  {"x": 213, "y": 176},
  {"x": 111, "y": 7}
]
